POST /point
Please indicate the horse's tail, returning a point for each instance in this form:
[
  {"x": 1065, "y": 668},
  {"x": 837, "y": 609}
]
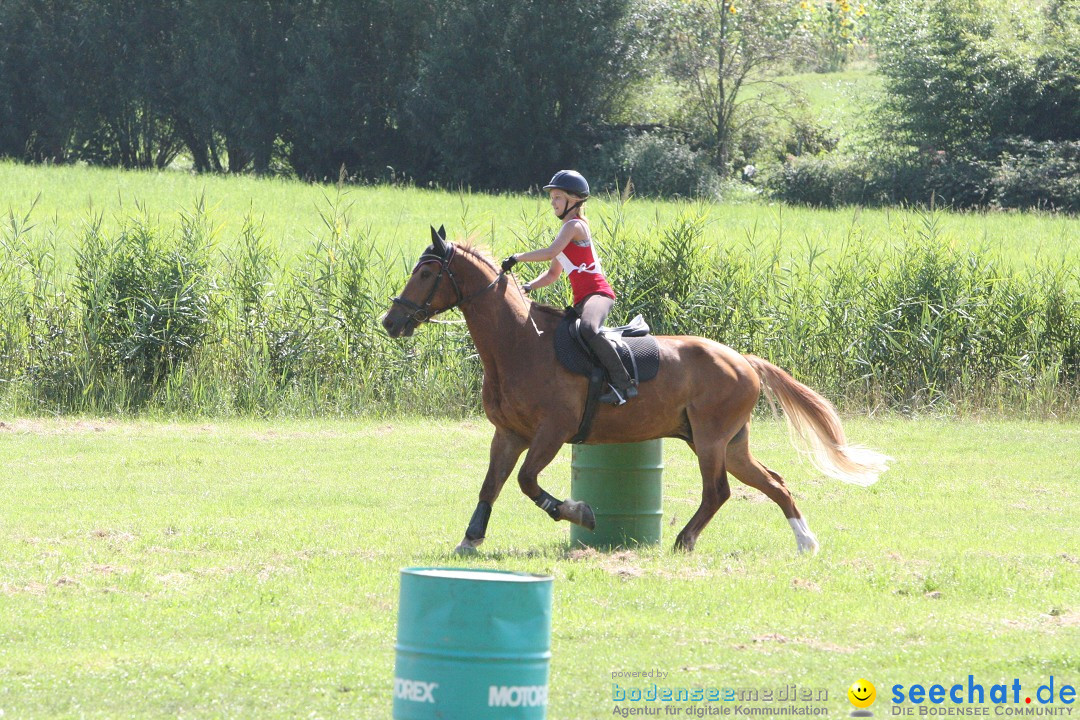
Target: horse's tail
[{"x": 815, "y": 428}]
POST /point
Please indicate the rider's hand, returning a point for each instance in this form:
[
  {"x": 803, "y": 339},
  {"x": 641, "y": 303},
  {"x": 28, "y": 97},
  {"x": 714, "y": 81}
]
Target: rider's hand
[
  {"x": 527, "y": 288},
  {"x": 509, "y": 263}
]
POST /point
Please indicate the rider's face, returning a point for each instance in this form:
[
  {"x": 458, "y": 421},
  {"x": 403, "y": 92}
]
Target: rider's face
[{"x": 559, "y": 201}]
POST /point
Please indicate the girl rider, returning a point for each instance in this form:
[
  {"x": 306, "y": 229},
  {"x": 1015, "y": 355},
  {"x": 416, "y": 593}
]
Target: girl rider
[{"x": 574, "y": 252}]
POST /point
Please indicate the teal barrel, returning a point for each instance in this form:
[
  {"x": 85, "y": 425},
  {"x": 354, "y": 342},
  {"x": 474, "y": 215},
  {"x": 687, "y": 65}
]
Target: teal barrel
[
  {"x": 472, "y": 644},
  {"x": 622, "y": 484}
]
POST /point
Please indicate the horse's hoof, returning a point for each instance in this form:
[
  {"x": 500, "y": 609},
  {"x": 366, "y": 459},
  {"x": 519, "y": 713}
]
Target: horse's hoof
[
  {"x": 809, "y": 548},
  {"x": 588, "y": 519},
  {"x": 468, "y": 547},
  {"x": 683, "y": 544},
  {"x": 578, "y": 513}
]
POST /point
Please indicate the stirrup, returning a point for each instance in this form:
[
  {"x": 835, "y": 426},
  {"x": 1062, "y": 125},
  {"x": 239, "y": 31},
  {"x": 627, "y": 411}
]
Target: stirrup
[{"x": 617, "y": 397}]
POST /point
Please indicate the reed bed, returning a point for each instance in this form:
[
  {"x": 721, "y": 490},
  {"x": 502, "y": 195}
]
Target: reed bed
[{"x": 179, "y": 320}]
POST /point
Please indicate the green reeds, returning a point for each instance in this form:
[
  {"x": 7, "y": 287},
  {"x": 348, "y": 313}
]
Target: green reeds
[{"x": 180, "y": 321}]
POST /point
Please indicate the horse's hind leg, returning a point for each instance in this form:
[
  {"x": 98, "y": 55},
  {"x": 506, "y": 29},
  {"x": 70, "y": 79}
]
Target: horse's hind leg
[
  {"x": 714, "y": 492},
  {"x": 506, "y": 448},
  {"x": 746, "y": 468}
]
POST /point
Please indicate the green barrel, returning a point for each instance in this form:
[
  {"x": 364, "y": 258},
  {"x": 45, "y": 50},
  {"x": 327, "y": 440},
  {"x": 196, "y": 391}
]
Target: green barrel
[
  {"x": 472, "y": 644},
  {"x": 622, "y": 484}
]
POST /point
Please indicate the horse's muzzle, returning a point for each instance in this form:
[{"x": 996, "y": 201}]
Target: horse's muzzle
[{"x": 402, "y": 326}]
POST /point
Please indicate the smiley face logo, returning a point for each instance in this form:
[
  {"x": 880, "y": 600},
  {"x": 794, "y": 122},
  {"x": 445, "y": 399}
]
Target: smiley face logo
[{"x": 862, "y": 693}]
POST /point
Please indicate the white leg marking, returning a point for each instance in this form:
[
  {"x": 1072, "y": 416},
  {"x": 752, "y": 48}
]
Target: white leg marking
[{"x": 804, "y": 538}]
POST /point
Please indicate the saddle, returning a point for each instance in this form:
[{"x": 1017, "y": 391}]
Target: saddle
[{"x": 639, "y": 352}]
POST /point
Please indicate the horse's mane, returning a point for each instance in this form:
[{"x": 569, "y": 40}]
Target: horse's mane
[
  {"x": 479, "y": 251},
  {"x": 483, "y": 253},
  {"x": 551, "y": 310}
]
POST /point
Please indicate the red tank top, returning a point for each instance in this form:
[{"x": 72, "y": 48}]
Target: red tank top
[{"x": 582, "y": 267}]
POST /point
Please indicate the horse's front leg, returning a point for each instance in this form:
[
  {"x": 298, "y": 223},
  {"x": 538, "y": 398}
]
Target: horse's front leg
[
  {"x": 506, "y": 448},
  {"x": 542, "y": 450}
]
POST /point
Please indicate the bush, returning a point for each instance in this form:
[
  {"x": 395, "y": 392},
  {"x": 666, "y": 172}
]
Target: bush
[
  {"x": 482, "y": 92},
  {"x": 145, "y": 300},
  {"x": 657, "y": 165},
  {"x": 1022, "y": 174},
  {"x": 960, "y": 74},
  {"x": 1038, "y": 175},
  {"x": 820, "y": 181},
  {"x": 344, "y": 91}
]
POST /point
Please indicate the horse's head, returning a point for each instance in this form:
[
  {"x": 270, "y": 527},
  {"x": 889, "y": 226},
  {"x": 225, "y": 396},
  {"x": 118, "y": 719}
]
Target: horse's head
[{"x": 431, "y": 289}]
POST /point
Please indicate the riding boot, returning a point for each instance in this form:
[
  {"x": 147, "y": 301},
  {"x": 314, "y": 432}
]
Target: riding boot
[{"x": 621, "y": 383}]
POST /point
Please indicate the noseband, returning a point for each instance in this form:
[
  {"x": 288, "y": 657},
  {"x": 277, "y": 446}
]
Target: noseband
[{"x": 422, "y": 313}]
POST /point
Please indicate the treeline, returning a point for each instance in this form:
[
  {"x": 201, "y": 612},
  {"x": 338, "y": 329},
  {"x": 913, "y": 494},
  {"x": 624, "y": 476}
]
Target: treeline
[
  {"x": 980, "y": 106},
  {"x": 981, "y": 109},
  {"x": 488, "y": 93}
]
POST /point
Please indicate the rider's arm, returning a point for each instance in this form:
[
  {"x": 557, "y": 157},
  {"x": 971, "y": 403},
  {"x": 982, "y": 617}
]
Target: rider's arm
[
  {"x": 553, "y": 273},
  {"x": 570, "y": 231}
]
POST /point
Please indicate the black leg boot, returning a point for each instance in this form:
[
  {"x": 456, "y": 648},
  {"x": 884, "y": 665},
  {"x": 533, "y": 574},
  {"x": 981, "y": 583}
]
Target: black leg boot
[{"x": 622, "y": 386}]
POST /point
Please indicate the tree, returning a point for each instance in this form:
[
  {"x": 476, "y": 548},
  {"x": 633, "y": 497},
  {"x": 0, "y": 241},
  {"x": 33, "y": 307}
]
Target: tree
[
  {"x": 721, "y": 51},
  {"x": 232, "y": 78},
  {"x": 125, "y": 51},
  {"x": 961, "y": 78},
  {"x": 511, "y": 90},
  {"x": 41, "y": 82},
  {"x": 348, "y": 66}
]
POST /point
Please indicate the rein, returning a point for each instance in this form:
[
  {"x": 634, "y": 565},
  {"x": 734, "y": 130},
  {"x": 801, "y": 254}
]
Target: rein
[{"x": 422, "y": 313}]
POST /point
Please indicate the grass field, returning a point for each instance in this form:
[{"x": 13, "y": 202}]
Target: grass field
[
  {"x": 840, "y": 100},
  {"x": 397, "y": 218},
  {"x": 242, "y": 569}
]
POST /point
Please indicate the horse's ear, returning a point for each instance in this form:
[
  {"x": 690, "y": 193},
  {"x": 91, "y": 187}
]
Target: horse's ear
[
  {"x": 442, "y": 232},
  {"x": 437, "y": 239}
]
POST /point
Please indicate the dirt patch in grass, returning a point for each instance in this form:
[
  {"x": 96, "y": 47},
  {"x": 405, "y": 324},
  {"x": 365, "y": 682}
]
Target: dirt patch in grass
[
  {"x": 770, "y": 640},
  {"x": 625, "y": 564},
  {"x": 1066, "y": 619},
  {"x": 174, "y": 579},
  {"x": 112, "y": 535},
  {"x": 111, "y": 569},
  {"x": 1050, "y": 622},
  {"x": 31, "y": 588},
  {"x": 268, "y": 571},
  {"x": 583, "y": 553},
  {"x": 25, "y": 426},
  {"x": 749, "y": 494}
]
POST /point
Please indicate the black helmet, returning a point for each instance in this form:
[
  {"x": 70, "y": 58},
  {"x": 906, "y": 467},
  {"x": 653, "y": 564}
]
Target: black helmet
[{"x": 571, "y": 181}]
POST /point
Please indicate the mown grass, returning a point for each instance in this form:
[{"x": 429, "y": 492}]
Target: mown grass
[
  {"x": 397, "y": 218},
  {"x": 249, "y": 569}
]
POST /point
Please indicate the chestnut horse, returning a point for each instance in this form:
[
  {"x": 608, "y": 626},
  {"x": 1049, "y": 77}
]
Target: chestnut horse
[{"x": 704, "y": 394}]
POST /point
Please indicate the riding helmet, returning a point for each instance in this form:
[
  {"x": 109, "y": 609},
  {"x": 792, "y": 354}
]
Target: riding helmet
[{"x": 570, "y": 181}]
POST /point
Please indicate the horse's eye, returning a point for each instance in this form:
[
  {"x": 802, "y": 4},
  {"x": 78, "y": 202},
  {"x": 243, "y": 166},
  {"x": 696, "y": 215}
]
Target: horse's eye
[{"x": 425, "y": 274}]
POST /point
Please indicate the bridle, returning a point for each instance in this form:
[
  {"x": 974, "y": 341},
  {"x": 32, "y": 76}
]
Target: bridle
[{"x": 422, "y": 313}]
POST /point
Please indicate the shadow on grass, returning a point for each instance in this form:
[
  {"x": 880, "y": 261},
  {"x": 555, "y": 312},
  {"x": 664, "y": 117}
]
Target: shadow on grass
[{"x": 564, "y": 551}]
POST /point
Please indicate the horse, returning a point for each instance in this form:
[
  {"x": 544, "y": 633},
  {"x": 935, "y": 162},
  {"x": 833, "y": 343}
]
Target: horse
[{"x": 704, "y": 394}]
